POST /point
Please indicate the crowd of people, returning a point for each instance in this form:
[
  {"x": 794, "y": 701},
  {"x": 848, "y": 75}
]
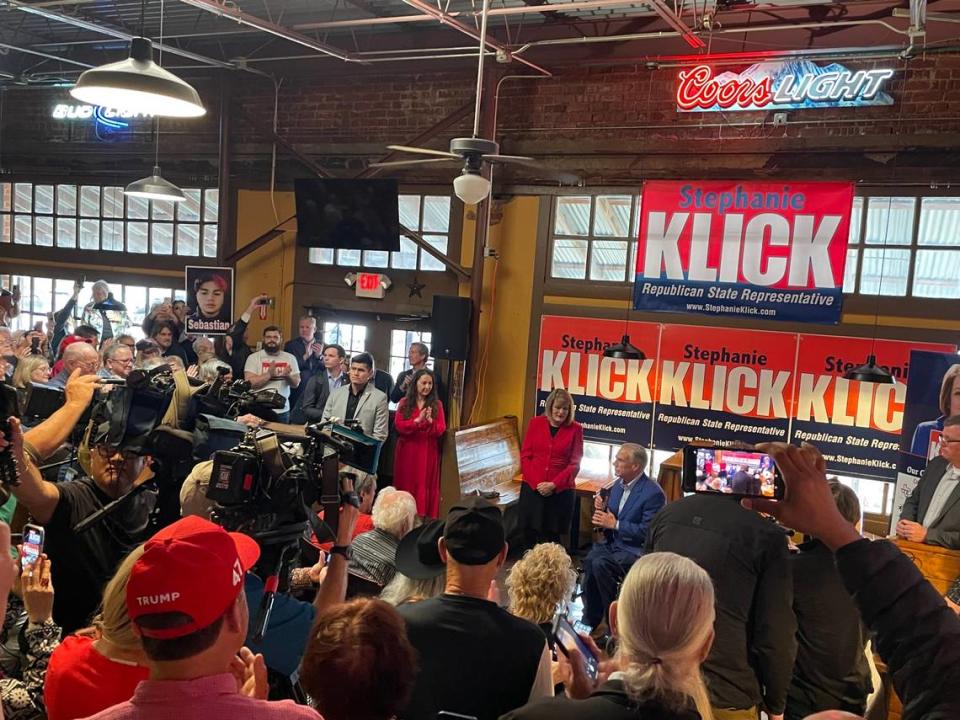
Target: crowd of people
[{"x": 697, "y": 609}]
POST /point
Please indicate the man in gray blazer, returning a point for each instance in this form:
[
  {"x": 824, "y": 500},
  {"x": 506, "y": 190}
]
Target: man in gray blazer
[
  {"x": 932, "y": 512},
  {"x": 360, "y": 400}
]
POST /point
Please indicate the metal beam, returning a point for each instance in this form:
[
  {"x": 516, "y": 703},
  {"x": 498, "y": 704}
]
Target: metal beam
[
  {"x": 48, "y": 56},
  {"x": 113, "y": 32},
  {"x": 669, "y": 17},
  {"x": 237, "y": 15}
]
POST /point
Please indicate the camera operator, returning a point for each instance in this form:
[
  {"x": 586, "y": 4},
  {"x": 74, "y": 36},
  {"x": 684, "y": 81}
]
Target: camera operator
[{"x": 82, "y": 562}]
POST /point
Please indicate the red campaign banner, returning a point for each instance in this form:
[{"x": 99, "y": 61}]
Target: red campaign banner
[
  {"x": 855, "y": 424},
  {"x": 721, "y": 384},
  {"x": 614, "y": 397},
  {"x": 775, "y": 250}
]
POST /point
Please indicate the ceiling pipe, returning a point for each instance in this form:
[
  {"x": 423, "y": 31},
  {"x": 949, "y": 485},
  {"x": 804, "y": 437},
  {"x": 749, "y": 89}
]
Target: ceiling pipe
[
  {"x": 671, "y": 19},
  {"x": 237, "y": 15},
  {"x": 48, "y": 56},
  {"x": 113, "y": 32}
]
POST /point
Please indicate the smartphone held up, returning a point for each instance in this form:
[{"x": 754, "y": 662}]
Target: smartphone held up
[{"x": 740, "y": 473}]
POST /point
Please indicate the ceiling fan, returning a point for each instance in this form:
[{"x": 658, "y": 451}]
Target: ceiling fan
[{"x": 472, "y": 152}]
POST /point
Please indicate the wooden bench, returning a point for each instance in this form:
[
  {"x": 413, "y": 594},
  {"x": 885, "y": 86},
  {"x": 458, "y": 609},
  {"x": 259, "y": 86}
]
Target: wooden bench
[{"x": 488, "y": 459}]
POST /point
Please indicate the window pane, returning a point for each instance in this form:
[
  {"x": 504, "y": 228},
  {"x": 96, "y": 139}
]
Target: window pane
[
  {"x": 350, "y": 258},
  {"x": 632, "y": 267},
  {"x": 135, "y": 298},
  {"x": 436, "y": 213},
  {"x": 162, "y": 210},
  {"x": 138, "y": 208},
  {"x": 936, "y": 274},
  {"x": 6, "y": 228},
  {"x": 850, "y": 272},
  {"x": 427, "y": 261},
  {"x": 406, "y": 259},
  {"x": 161, "y": 239},
  {"x": 43, "y": 231},
  {"x": 66, "y": 199},
  {"x": 939, "y": 221},
  {"x": 62, "y": 290},
  {"x": 188, "y": 239},
  {"x": 398, "y": 343},
  {"x": 890, "y": 220},
  {"x": 609, "y": 260},
  {"x": 23, "y": 230},
  {"x": 111, "y": 237},
  {"x": 209, "y": 240},
  {"x": 597, "y": 460},
  {"x": 42, "y": 296},
  {"x": 89, "y": 234},
  {"x": 211, "y": 204},
  {"x": 23, "y": 197},
  {"x": 137, "y": 237},
  {"x": 43, "y": 199},
  {"x": 569, "y": 258},
  {"x": 573, "y": 216},
  {"x": 856, "y": 213},
  {"x": 113, "y": 202},
  {"x": 376, "y": 258},
  {"x": 66, "y": 232},
  {"x": 320, "y": 256},
  {"x": 6, "y": 196},
  {"x": 90, "y": 201},
  {"x": 612, "y": 215},
  {"x": 896, "y": 265},
  {"x": 189, "y": 209},
  {"x": 409, "y": 206}
]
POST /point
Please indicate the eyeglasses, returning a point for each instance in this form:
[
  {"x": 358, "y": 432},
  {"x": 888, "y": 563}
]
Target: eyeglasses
[
  {"x": 948, "y": 441},
  {"x": 122, "y": 361}
]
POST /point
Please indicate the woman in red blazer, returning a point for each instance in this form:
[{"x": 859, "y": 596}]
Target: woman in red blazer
[{"x": 550, "y": 461}]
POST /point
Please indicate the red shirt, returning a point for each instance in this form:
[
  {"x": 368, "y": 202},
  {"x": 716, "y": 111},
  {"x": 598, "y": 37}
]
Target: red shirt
[
  {"x": 364, "y": 523},
  {"x": 546, "y": 458},
  {"x": 81, "y": 682}
]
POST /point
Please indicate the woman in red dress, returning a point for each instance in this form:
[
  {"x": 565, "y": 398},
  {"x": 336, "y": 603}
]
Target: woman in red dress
[
  {"x": 550, "y": 460},
  {"x": 420, "y": 423}
]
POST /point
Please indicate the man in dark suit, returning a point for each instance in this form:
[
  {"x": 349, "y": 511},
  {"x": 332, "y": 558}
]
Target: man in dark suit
[
  {"x": 634, "y": 500},
  {"x": 417, "y": 354},
  {"x": 932, "y": 512},
  {"x": 307, "y": 351},
  {"x": 310, "y": 406},
  {"x": 752, "y": 658},
  {"x": 744, "y": 482}
]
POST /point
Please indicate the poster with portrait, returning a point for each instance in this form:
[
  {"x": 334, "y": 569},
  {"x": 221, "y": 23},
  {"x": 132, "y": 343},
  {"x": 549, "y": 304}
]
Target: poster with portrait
[{"x": 209, "y": 300}]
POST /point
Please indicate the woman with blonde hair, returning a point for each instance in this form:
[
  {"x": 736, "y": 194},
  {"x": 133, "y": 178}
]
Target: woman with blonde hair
[
  {"x": 98, "y": 667},
  {"x": 549, "y": 461},
  {"x": 539, "y": 582},
  {"x": 663, "y": 620}
]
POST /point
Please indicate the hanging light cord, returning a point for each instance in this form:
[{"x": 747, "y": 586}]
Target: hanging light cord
[{"x": 156, "y": 151}]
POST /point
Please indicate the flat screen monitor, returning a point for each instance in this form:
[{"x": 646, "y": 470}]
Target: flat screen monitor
[{"x": 348, "y": 214}]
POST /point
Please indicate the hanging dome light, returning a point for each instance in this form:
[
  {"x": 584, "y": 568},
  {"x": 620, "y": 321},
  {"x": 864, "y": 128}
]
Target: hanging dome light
[
  {"x": 138, "y": 84},
  {"x": 624, "y": 350},
  {"x": 869, "y": 372},
  {"x": 154, "y": 187}
]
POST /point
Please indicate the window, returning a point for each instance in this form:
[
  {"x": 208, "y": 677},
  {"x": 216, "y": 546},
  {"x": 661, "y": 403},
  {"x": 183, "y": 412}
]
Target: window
[
  {"x": 40, "y": 296},
  {"x": 352, "y": 338},
  {"x": 427, "y": 214},
  {"x": 94, "y": 217},
  {"x": 595, "y": 237},
  {"x": 400, "y": 341},
  {"x": 876, "y": 496},
  {"x": 898, "y": 246}
]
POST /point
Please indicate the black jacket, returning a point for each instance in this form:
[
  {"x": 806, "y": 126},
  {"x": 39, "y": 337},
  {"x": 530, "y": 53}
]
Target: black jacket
[
  {"x": 608, "y": 702},
  {"x": 241, "y": 351},
  {"x": 752, "y": 657},
  {"x": 917, "y": 635},
  {"x": 831, "y": 671},
  {"x": 398, "y": 393},
  {"x": 313, "y": 399},
  {"x": 944, "y": 530}
]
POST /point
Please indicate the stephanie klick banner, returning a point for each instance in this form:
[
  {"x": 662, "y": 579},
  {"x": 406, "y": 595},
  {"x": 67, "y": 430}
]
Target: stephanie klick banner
[
  {"x": 769, "y": 250},
  {"x": 614, "y": 398},
  {"x": 855, "y": 424},
  {"x": 721, "y": 385}
]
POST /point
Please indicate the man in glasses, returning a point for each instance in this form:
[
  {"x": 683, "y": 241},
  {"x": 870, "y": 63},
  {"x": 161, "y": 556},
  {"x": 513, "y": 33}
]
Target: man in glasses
[
  {"x": 117, "y": 362},
  {"x": 78, "y": 355},
  {"x": 932, "y": 512}
]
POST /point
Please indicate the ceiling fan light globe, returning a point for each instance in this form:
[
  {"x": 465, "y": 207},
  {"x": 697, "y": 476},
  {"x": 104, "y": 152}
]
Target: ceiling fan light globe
[{"x": 471, "y": 188}]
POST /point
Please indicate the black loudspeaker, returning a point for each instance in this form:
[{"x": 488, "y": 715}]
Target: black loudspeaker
[{"x": 451, "y": 327}]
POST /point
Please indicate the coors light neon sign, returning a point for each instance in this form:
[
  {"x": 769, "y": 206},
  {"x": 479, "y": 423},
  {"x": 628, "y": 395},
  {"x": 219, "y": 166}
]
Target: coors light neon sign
[{"x": 781, "y": 86}]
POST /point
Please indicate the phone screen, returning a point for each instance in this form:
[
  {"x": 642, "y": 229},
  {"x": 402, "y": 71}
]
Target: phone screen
[
  {"x": 742, "y": 473},
  {"x": 566, "y": 635},
  {"x": 32, "y": 544}
]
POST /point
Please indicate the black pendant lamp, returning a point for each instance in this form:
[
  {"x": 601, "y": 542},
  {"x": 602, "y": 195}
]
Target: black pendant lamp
[
  {"x": 869, "y": 372},
  {"x": 624, "y": 350}
]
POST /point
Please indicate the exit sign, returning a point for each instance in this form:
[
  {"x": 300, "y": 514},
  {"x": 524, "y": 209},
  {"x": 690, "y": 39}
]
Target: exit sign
[{"x": 370, "y": 285}]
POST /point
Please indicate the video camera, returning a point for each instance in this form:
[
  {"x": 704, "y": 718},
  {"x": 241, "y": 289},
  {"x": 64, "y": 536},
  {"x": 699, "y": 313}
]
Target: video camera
[{"x": 229, "y": 400}]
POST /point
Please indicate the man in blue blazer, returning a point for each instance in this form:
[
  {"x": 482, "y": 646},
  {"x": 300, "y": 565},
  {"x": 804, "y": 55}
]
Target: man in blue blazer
[{"x": 633, "y": 501}]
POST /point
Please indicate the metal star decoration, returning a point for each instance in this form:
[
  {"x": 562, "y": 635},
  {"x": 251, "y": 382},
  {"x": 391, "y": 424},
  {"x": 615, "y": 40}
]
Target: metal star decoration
[{"x": 416, "y": 288}]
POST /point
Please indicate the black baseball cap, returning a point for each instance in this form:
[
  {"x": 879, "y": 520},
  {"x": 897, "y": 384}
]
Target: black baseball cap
[
  {"x": 418, "y": 556},
  {"x": 473, "y": 532}
]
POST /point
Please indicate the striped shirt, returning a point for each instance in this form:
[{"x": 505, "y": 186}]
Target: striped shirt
[{"x": 373, "y": 556}]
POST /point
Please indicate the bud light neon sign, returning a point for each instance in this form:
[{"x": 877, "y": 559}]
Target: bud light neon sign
[
  {"x": 109, "y": 119},
  {"x": 781, "y": 86}
]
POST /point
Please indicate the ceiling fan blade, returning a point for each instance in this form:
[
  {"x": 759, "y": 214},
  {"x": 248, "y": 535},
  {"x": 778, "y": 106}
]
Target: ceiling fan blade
[
  {"x": 521, "y": 159},
  {"x": 422, "y": 151},
  {"x": 561, "y": 176},
  {"x": 403, "y": 163}
]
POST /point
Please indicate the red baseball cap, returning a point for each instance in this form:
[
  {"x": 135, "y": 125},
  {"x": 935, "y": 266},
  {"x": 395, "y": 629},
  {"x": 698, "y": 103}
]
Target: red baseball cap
[{"x": 192, "y": 567}]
